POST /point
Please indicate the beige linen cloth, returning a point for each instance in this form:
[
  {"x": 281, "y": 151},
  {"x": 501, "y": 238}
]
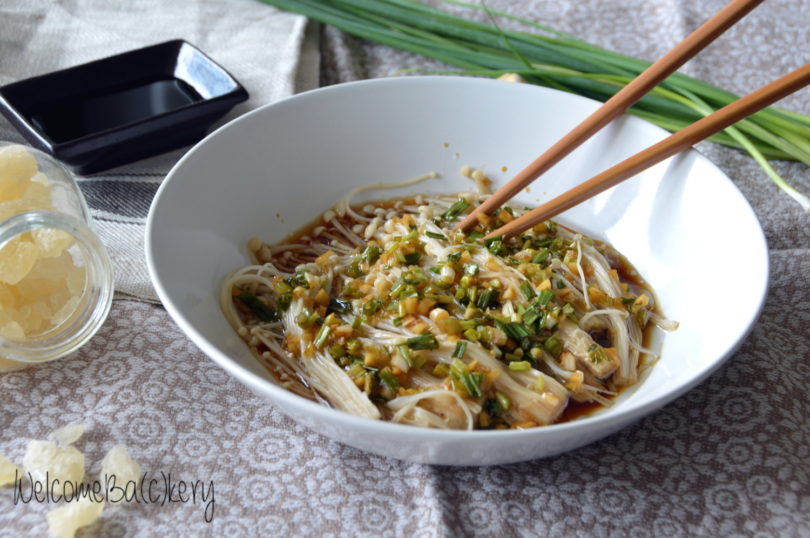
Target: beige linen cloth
[
  {"x": 729, "y": 458},
  {"x": 266, "y": 50}
]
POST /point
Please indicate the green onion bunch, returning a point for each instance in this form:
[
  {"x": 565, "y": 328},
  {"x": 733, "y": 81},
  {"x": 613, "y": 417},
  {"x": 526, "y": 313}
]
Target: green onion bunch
[{"x": 547, "y": 57}]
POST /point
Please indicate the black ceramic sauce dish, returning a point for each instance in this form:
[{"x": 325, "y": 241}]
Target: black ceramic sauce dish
[{"x": 117, "y": 110}]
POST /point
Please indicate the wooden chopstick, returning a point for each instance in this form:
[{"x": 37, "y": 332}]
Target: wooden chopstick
[
  {"x": 683, "y": 139},
  {"x": 618, "y": 104}
]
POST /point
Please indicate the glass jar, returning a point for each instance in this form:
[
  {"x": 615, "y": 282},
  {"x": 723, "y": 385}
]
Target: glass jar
[{"x": 56, "y": 282}]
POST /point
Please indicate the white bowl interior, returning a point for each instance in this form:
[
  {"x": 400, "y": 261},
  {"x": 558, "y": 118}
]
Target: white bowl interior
[{"x": 682, "y": 223}]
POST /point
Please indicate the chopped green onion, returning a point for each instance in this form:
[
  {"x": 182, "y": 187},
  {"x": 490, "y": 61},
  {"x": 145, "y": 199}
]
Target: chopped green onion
[
  {"x": 405, "y": 353},
  {"x": 356, "y": 370},
  {"x": 515, "y": 331},
  {"x": 530, "y": 316},
  {"x": 495, "y": 245},
  {"x": 337, "y": 351},
  {"x": 303, "y": 318},
  {"x": 372, "y": 253},
  {"x": 459, "y": 207},
  {"x": 461, "y": 348},
  {"x": 354, "y": 269},
  {"x": 553, "y": 346},
  {"x": 262, "y": 310},
  {"x": 527, "y": 290},
  {"x": 540, "y": 384},
  {"x": 568, "y": 310},
  {"x": 353, "y": 345},
  {"x": 426, "y": 340},
  {"x": 487, "y": 298},
  {"x": 597, "y": 354},
  {"x": 283, "y": 301},
  {"x": 323, "y": 334},
  {"x": 389, "y": 379},
  {"x": 413, "y": 258},
  {"x": 461, "y": 372},
  {"x": 372, "y": 306},
  {"x": 441, "y": 370},
  {"x": 504, "y": 403},
  {"x": 471, "y": 269},
  {"x": 299, "y": 279},
  {"x": 281, "y": 287},
  {"x": 544, "y": 297},
  {"x": 520, "y": 366},
  {"x": 339, "y": 305},
  {"x": 541, "y": 256},
  {"x": 434, "y": 235}
]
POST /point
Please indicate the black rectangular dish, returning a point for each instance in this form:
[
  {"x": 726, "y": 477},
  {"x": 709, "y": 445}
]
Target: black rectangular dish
[{"x": 123, "y": 108}]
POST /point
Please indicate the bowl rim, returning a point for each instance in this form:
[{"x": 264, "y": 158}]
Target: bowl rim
[{"x": 624, "y": 412}]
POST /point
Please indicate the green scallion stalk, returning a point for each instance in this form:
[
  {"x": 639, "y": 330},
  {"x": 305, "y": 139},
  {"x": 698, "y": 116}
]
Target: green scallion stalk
[
  {"x": 503, "y": 401},
  {"x": 372, "y": 253},
  {"x": 426, "y": 340},
  {"x": 545, "y": 297},
  {"x": 458, "y": 207},
  {"x": 323, "y": 334},
  {"x": 262, "y": 310},
  {"x": 389, "y": 379},
  {"x": 547, "y": 57},
  {"x": 520, "y": 366},
  {"x": 527, "y": 290},
  {"x": 461, "y": 372},
  {"x": 413, "y": 258},
  {"x": 405, "y": 353}
]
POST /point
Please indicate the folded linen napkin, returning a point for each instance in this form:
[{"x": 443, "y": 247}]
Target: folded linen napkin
[{"x": 273, "y": 54}]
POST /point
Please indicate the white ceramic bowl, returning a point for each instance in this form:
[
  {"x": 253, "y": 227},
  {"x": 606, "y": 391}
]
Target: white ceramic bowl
[{"x": 683, "y": 224}]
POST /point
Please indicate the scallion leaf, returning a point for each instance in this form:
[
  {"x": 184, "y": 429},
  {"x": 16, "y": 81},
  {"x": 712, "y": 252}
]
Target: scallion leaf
[
  {"x": 461, "y": 372},
  {"x": 389, "y": 379},
  {"x": 339, "y": 305},
  {"x": 460, "y": 206},
  {"x": 461, "y": 349},
  {"x": 426, "y": 340},
  {"x": 544, "y": 297},
  {"x": 262, "y": 310},
  {"x": 322, "y": 335},
  {"x": 520, "y": 366},
  {"x": 527, "y": 290},
  {"x": 413, "y": 258},
  {"x": 541, "y": 256},
  {"x": 372, "y": 253},
  {"x": 487, "y": 298}
]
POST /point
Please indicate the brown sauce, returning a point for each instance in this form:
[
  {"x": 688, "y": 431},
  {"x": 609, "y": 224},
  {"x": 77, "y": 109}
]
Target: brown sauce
[{"x": 627, "y": 274}]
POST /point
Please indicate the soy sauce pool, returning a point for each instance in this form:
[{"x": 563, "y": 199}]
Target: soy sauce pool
[
  {"x": 93, "y": 112},
  {"x": 317, "y": 230}
]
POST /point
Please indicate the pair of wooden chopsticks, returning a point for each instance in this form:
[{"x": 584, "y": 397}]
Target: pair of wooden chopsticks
[{"x": 618, "y": 104}]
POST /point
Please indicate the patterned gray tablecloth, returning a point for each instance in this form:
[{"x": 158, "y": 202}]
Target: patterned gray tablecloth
[{"x": 731, "y": 457}]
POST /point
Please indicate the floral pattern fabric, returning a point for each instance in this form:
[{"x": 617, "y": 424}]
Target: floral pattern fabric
[{"x": 729, "y": 458}]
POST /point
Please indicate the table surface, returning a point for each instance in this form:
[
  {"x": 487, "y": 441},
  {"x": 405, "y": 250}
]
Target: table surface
[{"x": 731, "y": 457}]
